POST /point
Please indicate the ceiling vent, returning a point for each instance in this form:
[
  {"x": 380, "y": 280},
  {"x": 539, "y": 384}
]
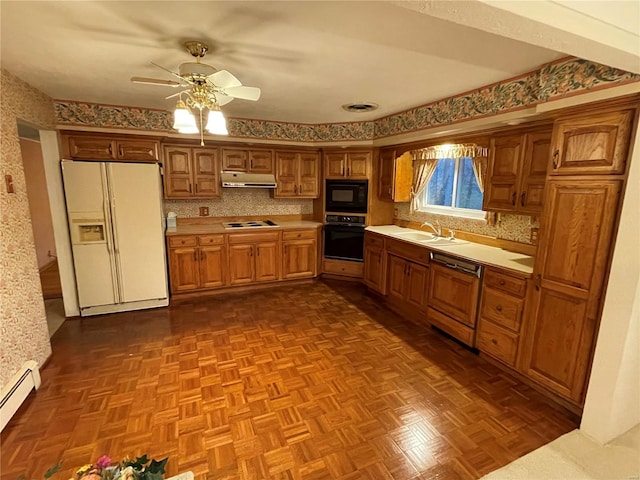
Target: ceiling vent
[{"x": 360, "y": 107}]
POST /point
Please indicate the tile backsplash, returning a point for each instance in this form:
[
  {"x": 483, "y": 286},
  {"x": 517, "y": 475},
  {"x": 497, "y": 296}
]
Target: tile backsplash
[
  {"x": 241, "y": 202},
  {"x": 509, "y": 227}
]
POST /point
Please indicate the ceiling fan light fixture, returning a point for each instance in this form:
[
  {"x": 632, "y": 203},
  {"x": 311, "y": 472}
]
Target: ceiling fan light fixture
[
  {"x": 216, "y": 122},
  {"x": 183, "y": 120}
]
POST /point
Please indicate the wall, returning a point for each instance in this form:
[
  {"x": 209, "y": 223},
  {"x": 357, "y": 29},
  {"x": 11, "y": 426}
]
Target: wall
[
  {"x": 238, "y": 202},
  {"x": 509, "y": 227},
  {"x": 23, "y": 327},
  {"x": 612, "y": 405},
  {"x": 38, "y": 200}
]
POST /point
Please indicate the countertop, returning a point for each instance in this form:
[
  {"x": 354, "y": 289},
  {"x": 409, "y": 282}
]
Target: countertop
[
  {"x": 218, "y": 228},
  {"x": 484, "y": 254}
]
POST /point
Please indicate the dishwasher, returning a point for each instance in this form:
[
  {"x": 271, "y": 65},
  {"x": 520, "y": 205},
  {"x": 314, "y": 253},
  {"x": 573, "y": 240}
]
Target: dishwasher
[{"x": 453, "y": 296}]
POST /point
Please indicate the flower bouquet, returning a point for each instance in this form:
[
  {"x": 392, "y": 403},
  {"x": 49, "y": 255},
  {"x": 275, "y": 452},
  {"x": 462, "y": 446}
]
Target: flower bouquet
[{"x": 139, "y": 469}]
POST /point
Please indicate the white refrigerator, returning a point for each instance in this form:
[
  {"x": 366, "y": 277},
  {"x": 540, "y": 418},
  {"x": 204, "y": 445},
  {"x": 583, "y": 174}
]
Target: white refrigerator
[{"x": 117, "y": 235}]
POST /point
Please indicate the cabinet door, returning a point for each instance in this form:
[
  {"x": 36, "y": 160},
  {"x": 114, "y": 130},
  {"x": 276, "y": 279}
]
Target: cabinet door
[
  {"x": 177, "y": 172},
  {"x": 138, "y": 150},
  {"x": 570, "y": 270},
  {"x": 358, "y": 165},
  {"x": 397, "y": 274},
  {"x": 299, "y": 259},
  {"x": 260, "y": 161},
  {"x": 286, "y": 174},
  {"x": 267, "y": 261},
  {"x": 502, "y": 181},
  {"x": 183, "y": 268},
  {"x": 212, "y": 260},
  {"x": 205, "y": 167},
  {"x": 374, "y": 269},
  {"x": 386, "y": 170},
  {"x": 309, "y": 169},
  {"x": 591, "y": 144},
  {"x": 234, "y": 160},
  {"x": 417, "y": 285},
  {"x": 534, "y": 172},
  {"x": 241, "y": 269},
  {"x": 335, "y": 165},
  {"x": 454, "y": 293},
  {"x": 92, "y": 148}
]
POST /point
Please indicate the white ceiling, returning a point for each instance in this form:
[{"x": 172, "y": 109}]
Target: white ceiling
[{"x": 308, "y": 58}]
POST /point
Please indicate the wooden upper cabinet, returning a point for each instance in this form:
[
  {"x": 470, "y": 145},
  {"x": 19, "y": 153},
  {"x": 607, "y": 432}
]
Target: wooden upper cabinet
[
  {"x": 517, "y": 173},
  {"x": 110, "y": 148},
  {"x": 591, "y": 143},
  {"x": 191, "y": 172},
  {"x": 260, "y": 161},
  {"x": 140, "y": 150},
  {"x": 351, "y": 165},
  {"x": 92, "y": 148},
  {"x": 571, "y": 266},
  {"x": 297, "y": 174},
  {"x": 205, "y": 170},
  {"x": 395, "y": 176},
  {"x": 502, "y": 180},
  {"x": 534, "y": 172},
  {"x": 251, "y": 161}
]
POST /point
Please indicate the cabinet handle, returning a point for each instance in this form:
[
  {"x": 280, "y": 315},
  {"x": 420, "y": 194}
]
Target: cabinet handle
[
  {"x": 189, "y": 187},
  {"x": 389, "y": 191},
  {"x": 538, "y": 281},
  {"x": 300, "y": 189},
  {"x": 494, "y": 341},
  {"x": 501, "y": 282},
  {"x": 251, "y": 252},
  {"x": 251, "y": 164},
  {"x": 513, "y": 198},
  {"x": 258, "y": 251},
  {"x": 121, "y": 151},
  {"x": 348, "y": 171},
  {"x": 110, "y": 150},
  {"x": 556, "y": 154},
  {"x": 295, "y": 189},
  {"x": 285, "y": 249},
  {"x": 342, "y": 171},
  {"x": 195, "y": 256},
  {"x": 201, "y": 255},
  {"x": 196, "y": 188},
  {"x": 499, "y": 308},
  {"x": 522, "y": 198}
]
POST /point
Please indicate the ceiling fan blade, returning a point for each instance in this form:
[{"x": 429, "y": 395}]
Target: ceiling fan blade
[
  {"x": 224, "y": 79},
  {"x": 223, "y": 100},
  {"x": 167, "y": 70},
  {"x": 155, "y": 81},
  {"x": 245, "y": 93}
]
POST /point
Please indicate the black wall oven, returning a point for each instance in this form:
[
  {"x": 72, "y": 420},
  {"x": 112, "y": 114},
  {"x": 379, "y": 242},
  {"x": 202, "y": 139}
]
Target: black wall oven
[
  {"x": 344, "y": 237},
  {"x": 348, "y": 196}
]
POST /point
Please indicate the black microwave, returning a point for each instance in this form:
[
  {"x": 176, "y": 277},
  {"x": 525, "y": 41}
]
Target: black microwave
[{"x": 349, "y": 196}]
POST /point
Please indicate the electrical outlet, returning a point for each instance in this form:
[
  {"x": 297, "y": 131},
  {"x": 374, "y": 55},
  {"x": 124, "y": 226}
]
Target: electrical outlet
[
  {"x": 395, "y": 213},
  {"x": 533, "y": 236},
  {"x": 204, "y": 211}
]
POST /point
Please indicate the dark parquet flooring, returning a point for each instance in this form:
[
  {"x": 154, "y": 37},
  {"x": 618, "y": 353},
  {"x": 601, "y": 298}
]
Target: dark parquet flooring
[{"x": 315, "y": 381}]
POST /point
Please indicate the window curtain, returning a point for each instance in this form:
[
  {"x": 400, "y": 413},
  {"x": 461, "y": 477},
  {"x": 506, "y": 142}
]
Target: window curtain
[
  {"x": 480, "y": 165},
  {"x": 423, "y": 169}
]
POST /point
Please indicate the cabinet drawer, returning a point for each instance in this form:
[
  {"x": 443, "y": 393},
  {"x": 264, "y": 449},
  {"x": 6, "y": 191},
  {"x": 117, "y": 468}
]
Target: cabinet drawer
[
  {"x": 501, "y": 308},
  {"x": 497, "y": 342},
  {"x": 373, "y": 240},
  {"x": 238, "y": 238},
  {"x": 339, "y": 267},
  {"x": 211, "y": 239},
  {"x": 452, "y": 327},
  {"x": 299, "y": 234},
  {"x": 409, "y": 251},
  {"x": 182, "y": 241},
  {"x": 506, "y": 283}
]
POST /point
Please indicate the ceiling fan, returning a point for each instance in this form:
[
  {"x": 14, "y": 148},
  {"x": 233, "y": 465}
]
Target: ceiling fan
[{"x": 205, "y": 87}]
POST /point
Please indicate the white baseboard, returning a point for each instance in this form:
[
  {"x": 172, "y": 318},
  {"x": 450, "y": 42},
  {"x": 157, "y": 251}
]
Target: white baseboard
[{"x": 17, "y": 390}]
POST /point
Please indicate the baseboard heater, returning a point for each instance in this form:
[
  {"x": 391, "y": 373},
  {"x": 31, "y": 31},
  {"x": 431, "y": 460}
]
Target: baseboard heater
[{"x": 17, "y": 390}]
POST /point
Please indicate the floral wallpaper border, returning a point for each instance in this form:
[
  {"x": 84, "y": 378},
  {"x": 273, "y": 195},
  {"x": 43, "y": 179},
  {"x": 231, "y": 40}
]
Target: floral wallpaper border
[{"x": 552, "y": 81}]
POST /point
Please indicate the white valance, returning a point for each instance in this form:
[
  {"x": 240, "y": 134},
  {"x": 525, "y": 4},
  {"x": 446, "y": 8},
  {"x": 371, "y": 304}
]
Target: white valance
[{"x": 449, "y": 150}]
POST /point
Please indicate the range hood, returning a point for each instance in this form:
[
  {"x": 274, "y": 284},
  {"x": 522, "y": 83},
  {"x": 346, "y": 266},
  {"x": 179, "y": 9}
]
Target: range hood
[{"x": 248, "y": 180}]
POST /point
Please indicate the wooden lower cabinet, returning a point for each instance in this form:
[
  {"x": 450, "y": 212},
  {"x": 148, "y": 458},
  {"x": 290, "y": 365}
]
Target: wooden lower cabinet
[
  {"x": 407, "y": 281},
  {"x": 300, "y": 258},
  {"x": 375, "y": 263},
  {"x": 267, "y": 261},
  {"x": 194, "y": 267},
  {"x": 570, "y": 272},
  {"x": 250, "y": 263},
  {"x": 241, "y": 268}
]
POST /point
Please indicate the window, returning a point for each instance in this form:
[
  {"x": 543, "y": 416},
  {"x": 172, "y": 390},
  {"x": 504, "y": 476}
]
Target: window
[{"x": 453, "y": 189}]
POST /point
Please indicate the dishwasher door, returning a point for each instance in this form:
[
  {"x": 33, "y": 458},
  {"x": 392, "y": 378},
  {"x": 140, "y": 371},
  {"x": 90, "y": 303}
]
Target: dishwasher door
[{"x": 457, "y": 264}]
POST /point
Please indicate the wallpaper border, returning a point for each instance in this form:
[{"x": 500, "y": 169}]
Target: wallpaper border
[{"x": 552, "y": 81}]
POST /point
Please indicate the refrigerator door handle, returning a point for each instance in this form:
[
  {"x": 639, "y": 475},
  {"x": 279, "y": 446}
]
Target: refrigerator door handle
[{"x": 117, "y": 283}]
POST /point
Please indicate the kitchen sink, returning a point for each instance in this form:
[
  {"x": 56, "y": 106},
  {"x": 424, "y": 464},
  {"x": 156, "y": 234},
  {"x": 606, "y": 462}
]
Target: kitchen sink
[
  {"x": 442, "y": 241},
  {"x": 417, "y": 236}
]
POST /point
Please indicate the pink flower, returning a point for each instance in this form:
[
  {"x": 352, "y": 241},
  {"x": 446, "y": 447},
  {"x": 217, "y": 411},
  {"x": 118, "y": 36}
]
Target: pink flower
[{"x": 103, "y": 462}]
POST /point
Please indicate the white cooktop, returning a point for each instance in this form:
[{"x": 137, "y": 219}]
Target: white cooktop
[{"x": 250, "y": 224}]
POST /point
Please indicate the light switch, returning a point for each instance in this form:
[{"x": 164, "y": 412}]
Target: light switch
[{"x": 8, "y": 180}]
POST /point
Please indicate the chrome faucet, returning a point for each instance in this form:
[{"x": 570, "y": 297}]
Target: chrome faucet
[{"x": 437, "y": 229}]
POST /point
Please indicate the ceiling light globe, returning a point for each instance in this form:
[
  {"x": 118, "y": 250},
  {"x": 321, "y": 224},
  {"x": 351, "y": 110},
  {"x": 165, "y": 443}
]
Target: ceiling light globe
[
  {"x": 183, "y": 119},
  {"x": 216, "y": 123}
]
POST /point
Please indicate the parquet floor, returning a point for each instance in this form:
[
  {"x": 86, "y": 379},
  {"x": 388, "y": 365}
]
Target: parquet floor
[{"x": 308, "y": 382}]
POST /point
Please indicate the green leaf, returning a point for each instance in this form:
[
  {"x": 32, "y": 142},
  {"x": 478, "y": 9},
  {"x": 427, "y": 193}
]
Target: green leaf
[
  {"x": 49, "y": 473},
  {"x": 158, "y": 467},
  {"x": 141, "y": 461}
]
